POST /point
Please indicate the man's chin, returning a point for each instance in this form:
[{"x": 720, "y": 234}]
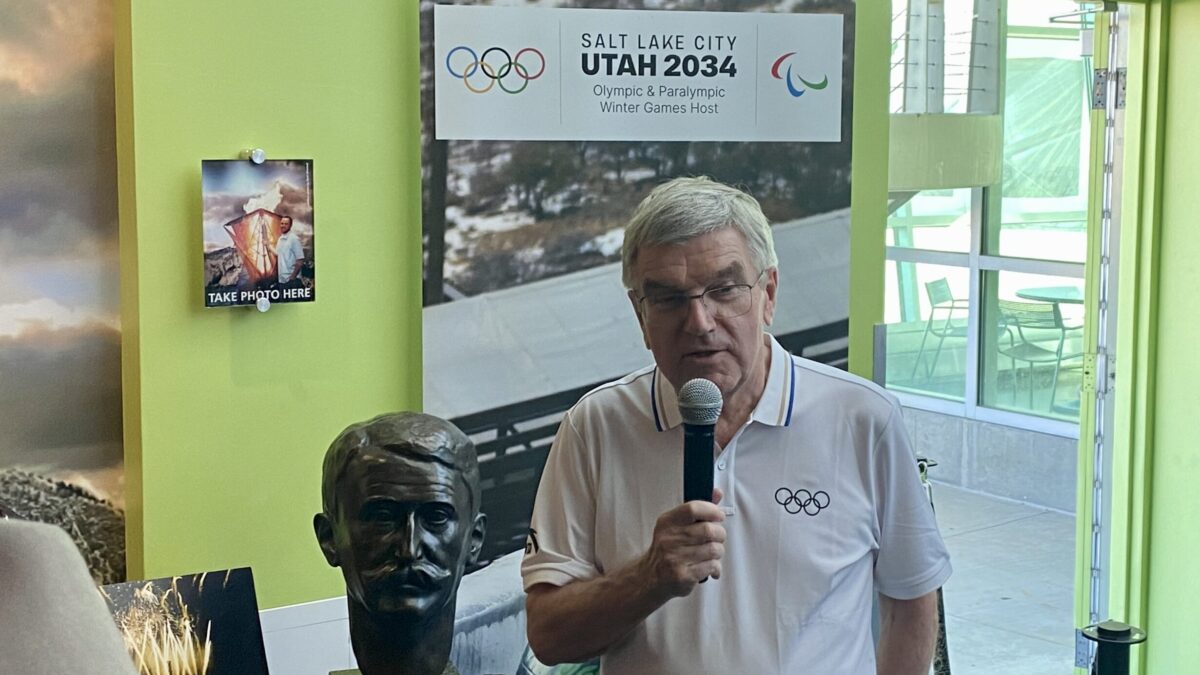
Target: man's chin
[{"x": 709, "y": 371}]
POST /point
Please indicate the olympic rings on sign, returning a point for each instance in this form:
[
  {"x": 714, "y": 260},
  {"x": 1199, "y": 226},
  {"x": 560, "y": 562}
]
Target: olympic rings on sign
[
  {"x": 497, "y": 71},
  {"x": 810, "y": 503}
]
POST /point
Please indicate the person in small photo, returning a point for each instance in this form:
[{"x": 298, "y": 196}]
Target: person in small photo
[{"x": 289, "y": 253}]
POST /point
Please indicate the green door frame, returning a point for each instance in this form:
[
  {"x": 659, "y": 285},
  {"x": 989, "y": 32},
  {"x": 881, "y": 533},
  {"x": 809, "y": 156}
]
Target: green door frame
[
  {"x": 1137, "y": 287},
  {"x": 1137, "y": 318}
]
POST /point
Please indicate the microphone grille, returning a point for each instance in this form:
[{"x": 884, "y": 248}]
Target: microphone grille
[{"x": 700, "y": 402}]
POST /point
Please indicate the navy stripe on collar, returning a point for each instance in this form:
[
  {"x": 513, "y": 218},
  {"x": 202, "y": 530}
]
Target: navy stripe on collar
[
  {"x": 654, "y": 399},
  {"x": 791, "y": 396}
]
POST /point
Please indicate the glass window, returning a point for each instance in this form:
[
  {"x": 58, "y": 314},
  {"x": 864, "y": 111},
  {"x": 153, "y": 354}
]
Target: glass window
[
  {"x": 1012, "y": 237},
  {"x": 1032, "y": 343},
  {"x": 935, "y": 220},
  {"x": 984, "y": 299},
  {"x": 1043, "y": 209},
  {"x": 943, "y": 56},
  {"x": 1037, "y": 14},
  {"x": 960, "y": 43},
  {"x": 926, "y": 313}
]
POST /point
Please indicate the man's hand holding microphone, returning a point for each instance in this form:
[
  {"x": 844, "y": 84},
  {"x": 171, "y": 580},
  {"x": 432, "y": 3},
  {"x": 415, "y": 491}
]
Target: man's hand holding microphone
[{"x": 689, "y": 540}]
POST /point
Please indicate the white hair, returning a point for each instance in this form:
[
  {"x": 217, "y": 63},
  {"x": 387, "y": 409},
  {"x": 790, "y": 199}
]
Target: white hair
[{"x": 686, "y": 208}]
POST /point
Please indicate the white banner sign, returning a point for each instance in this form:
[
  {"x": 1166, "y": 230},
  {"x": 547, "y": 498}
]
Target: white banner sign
[{"x": 538, "y": 74}]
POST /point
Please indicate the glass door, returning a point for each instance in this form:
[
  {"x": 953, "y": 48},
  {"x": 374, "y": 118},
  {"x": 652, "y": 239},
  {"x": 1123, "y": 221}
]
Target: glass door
[{"x": 1000, "y": 312}]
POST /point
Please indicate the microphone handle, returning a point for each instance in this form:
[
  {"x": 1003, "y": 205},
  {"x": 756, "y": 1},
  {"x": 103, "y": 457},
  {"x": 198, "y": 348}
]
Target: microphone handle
[{"x": 697, "y": 462}]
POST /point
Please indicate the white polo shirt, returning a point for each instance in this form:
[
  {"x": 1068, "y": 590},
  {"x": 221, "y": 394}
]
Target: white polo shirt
[
  {"x": 823, "y": 507},
  {"x": 289, "y": 250}
]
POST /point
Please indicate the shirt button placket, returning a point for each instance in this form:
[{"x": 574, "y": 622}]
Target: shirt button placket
[{"x": 725, "y": 479}]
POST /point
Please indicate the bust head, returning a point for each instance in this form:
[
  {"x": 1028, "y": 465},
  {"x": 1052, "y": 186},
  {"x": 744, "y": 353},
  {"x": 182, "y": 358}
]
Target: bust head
[{"x": 400, "y": 516}]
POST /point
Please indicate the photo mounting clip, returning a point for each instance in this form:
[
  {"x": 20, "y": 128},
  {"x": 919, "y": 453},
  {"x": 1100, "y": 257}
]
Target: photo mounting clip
[{"x": 255, "y": 155}]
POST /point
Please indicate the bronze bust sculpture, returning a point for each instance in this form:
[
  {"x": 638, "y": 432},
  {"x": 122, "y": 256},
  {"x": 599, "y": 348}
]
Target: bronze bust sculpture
[{"x": 400, "y": 515}]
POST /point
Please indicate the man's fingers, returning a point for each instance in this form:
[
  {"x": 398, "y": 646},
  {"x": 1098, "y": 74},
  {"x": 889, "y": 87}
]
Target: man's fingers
[
  {"x": 701, "y": 553},
  {"x": 691, "y": 555},
  {"x": 717, "y": 495},
  {"x": 702, "y": 533},
  {"x": 704, "y": 570},
  {"x": 689, "y": 542},
  {"x": 693, "y": 511},
  {"x": 681, "y": 568},
  {"x": 695, "y": 534}
]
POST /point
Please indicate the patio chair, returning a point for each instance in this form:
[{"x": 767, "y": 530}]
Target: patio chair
[
  {"x": 1033, "y": 333},
  {"x": 944, "y": 309}
]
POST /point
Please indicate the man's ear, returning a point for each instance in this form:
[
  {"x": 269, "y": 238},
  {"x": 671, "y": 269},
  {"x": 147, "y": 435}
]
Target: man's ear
[
  {"x": 475, "y": 541},
  {"x": 637, "y": 310},
  {"x": 770, "y": 288},
  {"x": 324, "y": 530}
]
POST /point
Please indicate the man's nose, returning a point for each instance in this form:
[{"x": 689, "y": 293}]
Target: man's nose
[
  {"x": 699, "y": 319},
  {"x": 408, "y": 543}
]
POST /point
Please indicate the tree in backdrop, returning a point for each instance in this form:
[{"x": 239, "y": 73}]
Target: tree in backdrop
[{"x": 566, "y": 194}]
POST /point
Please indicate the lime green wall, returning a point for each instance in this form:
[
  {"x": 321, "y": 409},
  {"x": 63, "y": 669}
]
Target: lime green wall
[
  {"x": 1174, "y": 538},
  {"x": 869, "y": 177},
  {"x": 1156, "y": 463},
  {"x": 228, "y": 411}
]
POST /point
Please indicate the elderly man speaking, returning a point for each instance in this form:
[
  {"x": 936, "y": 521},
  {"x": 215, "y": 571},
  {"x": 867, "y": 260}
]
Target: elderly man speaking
[{"x": 817, "y": 505}]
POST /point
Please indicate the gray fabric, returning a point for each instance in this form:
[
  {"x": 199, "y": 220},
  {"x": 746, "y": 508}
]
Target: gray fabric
[{"x": 52, "y": 618}]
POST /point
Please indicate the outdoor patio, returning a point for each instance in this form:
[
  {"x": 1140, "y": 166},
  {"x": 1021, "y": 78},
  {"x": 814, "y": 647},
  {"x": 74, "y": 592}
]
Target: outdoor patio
[{"x": 1009, "y": 602}]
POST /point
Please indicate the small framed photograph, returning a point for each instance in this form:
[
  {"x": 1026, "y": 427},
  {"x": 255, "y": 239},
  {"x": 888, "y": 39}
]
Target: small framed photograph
[
  {"x": 206, "y": 624},
  {"x": 258, "y": 232}
]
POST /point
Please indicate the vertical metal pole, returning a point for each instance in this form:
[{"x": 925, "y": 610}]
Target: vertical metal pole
[
  {"x": 1113, "y": 640},
  {"x": 1102, "y": 308},
  {"x": 941, "y": 652}
]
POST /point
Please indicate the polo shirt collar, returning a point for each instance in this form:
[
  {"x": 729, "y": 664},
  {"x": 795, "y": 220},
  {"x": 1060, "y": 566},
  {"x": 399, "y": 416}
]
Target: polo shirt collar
[
  {"x": 774, "y": 407},
  {"x": 663, "y": 402}
]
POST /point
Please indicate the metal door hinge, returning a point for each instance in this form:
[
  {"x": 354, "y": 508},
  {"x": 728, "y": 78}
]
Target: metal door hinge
[
  {"x": 1087, "y": 375},
  {"x": 1083, "y": 650},
  {"x": 1100, "y": 88}
]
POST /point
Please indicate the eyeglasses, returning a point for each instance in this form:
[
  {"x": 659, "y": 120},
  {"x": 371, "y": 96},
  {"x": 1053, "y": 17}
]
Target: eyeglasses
[{"x": 722, "y": 302}]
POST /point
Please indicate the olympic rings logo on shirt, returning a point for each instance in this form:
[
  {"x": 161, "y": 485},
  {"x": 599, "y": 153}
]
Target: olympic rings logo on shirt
[
  {"x": 811, "y": 503},
  {"x": 495, "y": 66}
]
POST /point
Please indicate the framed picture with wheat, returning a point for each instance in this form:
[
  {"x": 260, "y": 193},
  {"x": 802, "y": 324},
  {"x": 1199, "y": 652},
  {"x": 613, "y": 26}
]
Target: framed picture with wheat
[{"x": 199, "y": 624}]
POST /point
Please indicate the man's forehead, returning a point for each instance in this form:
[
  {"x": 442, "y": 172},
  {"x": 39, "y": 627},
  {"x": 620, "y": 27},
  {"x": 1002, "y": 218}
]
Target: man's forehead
[
  {"x": 726, "y": 240},
  {"x": 734, "y": 269},
  {"x": 667, "y": 267},
  {"x": 377, "y": 465}
]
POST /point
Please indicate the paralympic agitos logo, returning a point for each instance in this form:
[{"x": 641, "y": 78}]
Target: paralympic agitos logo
[
  {"x": 495, "y": 66},
  {"x": 794, "y": 90}
]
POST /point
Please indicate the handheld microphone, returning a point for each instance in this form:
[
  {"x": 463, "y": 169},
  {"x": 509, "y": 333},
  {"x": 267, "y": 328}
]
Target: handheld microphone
[{"x": 699, "y": 405}]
